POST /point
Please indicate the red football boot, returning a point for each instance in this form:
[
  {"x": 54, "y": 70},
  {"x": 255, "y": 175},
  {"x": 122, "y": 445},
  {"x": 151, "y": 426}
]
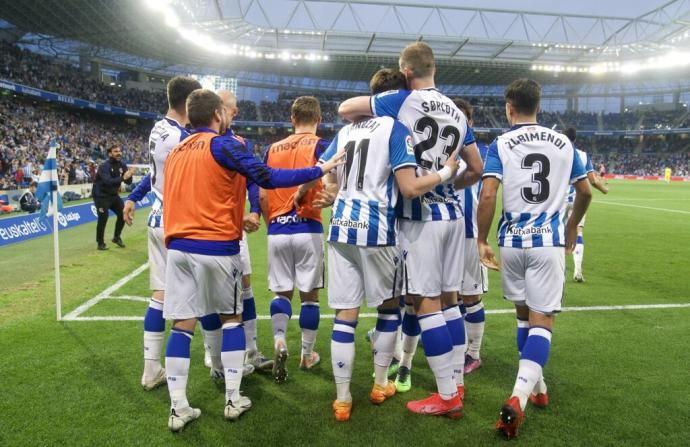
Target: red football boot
[
  {"x": 436, "y": 406},
  {"x": 510, "y": 418}
]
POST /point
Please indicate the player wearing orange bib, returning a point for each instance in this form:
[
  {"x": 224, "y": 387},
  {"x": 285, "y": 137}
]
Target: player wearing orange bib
[
  {"x": 205, "y": 190},
  {"x": 295, "y": 238}
]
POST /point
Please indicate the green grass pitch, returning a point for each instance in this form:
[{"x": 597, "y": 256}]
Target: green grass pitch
[{"x": 616, "y": 377}]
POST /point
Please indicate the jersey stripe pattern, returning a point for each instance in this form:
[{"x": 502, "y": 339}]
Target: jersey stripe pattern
[
  {"x": 587, "y": 163},
  {"x": 470, "y": 199},
  {"x": 536, "y": 166},
  {"x": 437, "y": 127},
  {"x": 364, "y": 209},
  {"x": 165, "y": 135}
]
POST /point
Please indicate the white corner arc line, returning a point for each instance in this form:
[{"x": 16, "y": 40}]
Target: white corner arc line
[
  {"x": 490, "y": 311},
  {"x": 606, "y": 202},
  {"x": 104, "y": 294},
  {"x": 141, "y": 299}
]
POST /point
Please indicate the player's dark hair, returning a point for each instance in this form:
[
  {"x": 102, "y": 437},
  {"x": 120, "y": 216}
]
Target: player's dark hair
[
  {"x": 112, "y": 147},
  {"x": 201, "y": 105},
  {"x": 524, "y": 95},
  {"x": 465, "y": 107},
  {"x": 33, "y": 183},
  {"x": 419, "y": 58},
  {"x": 387, "y": 79},
  {"x": 571, "y": 133},
  {"x": 179, "y": 89},
  {"x": 306, "y": 110}
]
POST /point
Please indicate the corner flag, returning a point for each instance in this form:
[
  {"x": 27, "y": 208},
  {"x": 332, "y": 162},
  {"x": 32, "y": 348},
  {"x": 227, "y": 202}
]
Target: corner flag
[
  {"x": 48, "y": 193},
  {"x": 48, "y": 182}
]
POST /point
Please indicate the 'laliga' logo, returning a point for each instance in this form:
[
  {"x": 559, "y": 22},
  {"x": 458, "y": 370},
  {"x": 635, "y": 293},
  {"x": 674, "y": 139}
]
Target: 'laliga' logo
[
  {"x": 94, "y": 210},
  {"x": 62, "y": 220}
]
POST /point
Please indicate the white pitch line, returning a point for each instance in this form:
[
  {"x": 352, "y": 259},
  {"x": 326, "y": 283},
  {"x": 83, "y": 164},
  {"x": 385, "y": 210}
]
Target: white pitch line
[
  {"x": 490, "y": 311},
  {"x": 141, "y": 299},
  {"x": 104, "y": 294},
  {"x": 606, "y": 202}
]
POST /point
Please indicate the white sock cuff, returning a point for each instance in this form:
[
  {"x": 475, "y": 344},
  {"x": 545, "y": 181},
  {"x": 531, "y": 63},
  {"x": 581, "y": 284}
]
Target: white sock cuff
[
  {"x": 522, "y": 323},
  {"x": 409, "y": 309},
  {"x": 541, "y": 332},
  {"x": 281, "y": 297},
  {"x": 452, "y": 313},
  {"x": 231, "y": 325},
  {"x": 343, "y": 328},
  {"x": 476, "y": 307},
  {"x": 155, "y": 304},
  {"x": 247, "y": 292},
  {"x": 431, "y": 321},
  {"x": 311, "y": 303},
  {"x": 185, "y": 333}
]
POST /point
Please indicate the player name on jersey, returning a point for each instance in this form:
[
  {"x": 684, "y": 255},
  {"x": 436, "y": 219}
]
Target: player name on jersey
[{"x": 531, "y": 136}]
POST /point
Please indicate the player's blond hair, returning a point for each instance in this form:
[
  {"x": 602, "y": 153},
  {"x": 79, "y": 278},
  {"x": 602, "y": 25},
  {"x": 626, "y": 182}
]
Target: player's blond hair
[
  {"x": 306, "y": 110},
  {"x": 418, "y": 57}
]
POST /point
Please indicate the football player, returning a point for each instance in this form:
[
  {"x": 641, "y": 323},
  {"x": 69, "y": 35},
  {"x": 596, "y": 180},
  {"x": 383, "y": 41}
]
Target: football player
[{"x": 536, "y": 166}]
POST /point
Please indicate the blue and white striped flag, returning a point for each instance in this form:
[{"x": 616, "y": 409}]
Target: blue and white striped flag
[{"x": 48, "y": 182}]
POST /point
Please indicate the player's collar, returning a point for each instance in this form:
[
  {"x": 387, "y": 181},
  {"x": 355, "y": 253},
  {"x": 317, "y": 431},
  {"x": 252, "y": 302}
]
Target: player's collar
[
  {"x": 517, "y": 126},
  {"x": 203, "y": 129},
  {"x": 173, "y": 122}
]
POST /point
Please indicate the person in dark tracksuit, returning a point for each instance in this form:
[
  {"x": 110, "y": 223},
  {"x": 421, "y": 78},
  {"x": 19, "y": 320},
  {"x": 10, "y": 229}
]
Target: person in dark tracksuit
[{"x": 106, "y": 188}]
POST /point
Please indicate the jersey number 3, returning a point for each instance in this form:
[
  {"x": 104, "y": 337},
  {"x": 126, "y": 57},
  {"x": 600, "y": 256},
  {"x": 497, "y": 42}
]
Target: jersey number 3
[{"x": 540, "y": 192}]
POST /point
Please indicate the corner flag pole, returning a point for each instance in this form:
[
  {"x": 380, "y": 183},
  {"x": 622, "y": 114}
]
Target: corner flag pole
[{"x": 56, "y": 254}]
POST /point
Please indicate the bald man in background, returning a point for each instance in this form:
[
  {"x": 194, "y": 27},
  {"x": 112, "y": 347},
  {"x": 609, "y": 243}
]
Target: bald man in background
[{"x": 254, "y": 359}]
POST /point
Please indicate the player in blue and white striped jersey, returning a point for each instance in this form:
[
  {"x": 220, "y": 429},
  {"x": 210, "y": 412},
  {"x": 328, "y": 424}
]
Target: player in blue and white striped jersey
[
  {"x": 595, "y": 181},
  {"x": 430, "y": 234},
  {"x": 536, "y": 166},
  {"x": 475, "y": 279},
  {"x": 165, "y": 135},
  {"x": 363, "y": 256}
]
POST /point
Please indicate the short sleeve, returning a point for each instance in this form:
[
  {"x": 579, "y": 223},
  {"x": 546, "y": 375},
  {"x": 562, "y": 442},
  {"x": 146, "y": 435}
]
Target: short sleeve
[
  {"x": 588, "y": 166},
  {"x": 493, "y": 166},
  {"x": 320, "y": 148},
  {"x": 400, "y": 147},
  {"x": 389, "y": 103},
  {"x": 469, "y": 137},
  {"x": 578, "y": 170},
  {"x": 330, "y": 150}
]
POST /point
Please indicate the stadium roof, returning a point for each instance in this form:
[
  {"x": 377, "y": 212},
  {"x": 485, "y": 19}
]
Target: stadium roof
[{"x": 476, "y": 42}]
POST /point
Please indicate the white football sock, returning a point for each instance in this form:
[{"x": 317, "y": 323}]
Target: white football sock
[
  {"x": 212, "y": 341},
  {"x": 409, "y": 346},
  {"x": 233, "y": 360},
  {"x": 527, "y": 377},
  {"x": 398, "y": 351},
  {"x": 343, "y": 358}
]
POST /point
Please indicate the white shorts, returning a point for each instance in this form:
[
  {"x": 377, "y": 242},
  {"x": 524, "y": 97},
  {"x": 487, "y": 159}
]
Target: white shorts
[
  {"x": 356, "y": 273},
  {"x": 434, "y": 254},
  {"x": 295, "y": 261},
  {"x": 157, "y": 256},
  {"x": 199, "y": 285},
  {"x": 475, "y": 280},
  {"x": 534, "y": 276},
  {"x": 569, "y": 211},
  {"x": 244, "y": 256}
]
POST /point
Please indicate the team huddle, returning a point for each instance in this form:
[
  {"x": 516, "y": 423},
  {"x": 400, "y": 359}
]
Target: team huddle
[{"x": 413, "y": 199}]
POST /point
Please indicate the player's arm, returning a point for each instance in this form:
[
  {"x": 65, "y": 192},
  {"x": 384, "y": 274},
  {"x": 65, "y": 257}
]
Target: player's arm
[
  {"x": 493, "y": 175},
  {"x": 323, "y": 155},
  {"x": 252, "y": 221},
  {"x": 230, "y": 155},
  {"x": 404, "y": 164},
  {"x": 470, "y": 154},
  {"x": 143, "y": 188},
  {"x": 583, "y": 196},
  {"x": 596, "y": 182},
  {"x": 356, "y": 108},
  {"x": 263, "y": 203}
]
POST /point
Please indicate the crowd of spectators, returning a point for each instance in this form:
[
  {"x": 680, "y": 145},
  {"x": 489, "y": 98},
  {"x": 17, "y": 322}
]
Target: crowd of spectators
[
  {"x": 652, "y": 164},
  {"x": 83, "y": 137},
  {"x": 45, "y": 73}
]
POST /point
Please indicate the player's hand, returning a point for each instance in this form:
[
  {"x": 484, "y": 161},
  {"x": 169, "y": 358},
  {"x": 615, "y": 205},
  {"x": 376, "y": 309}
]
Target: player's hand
[
  {"x": 453, "y": 163},
  {"x": 128, "y": 174},
  {"x": 570, "y": 236},
  {"x": 324, "y": 199},
  {"x": 299, "y": 196},
  {"x": 251, "y": 222},
  {"x": 487, "y": 256},
  {"x": 128, "y": 212},
  {"x": 337, "y": 160}
]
